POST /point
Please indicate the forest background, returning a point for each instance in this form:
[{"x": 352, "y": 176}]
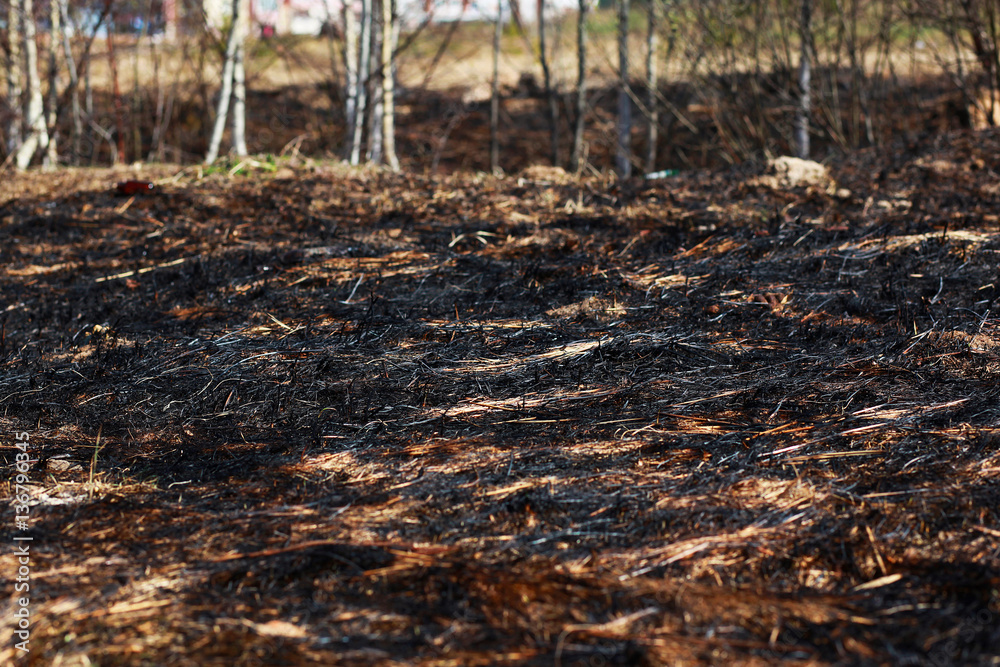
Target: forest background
[
  {"x": 649, "y": 86},
  {"x": 394, "y": 363}
]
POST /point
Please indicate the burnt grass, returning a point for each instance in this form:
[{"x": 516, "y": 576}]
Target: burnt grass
[{"x": 322, "y": 416}]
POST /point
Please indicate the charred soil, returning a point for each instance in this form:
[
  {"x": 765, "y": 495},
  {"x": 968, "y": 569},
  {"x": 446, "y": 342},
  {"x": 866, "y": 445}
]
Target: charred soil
[{"x": 322, "y": 416}]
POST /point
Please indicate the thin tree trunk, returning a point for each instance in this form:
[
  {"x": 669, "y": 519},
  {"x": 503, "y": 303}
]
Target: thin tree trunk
[
  {"x": 623, "y": 153},
  {"x": 15, "y": 66},
  {"x": 350, "y": 77},
  {"x": 222, "y": 110},
  {"x": 364, "y": 48},
  {"x": 88, "y": 88},
  {"x": 576, "y": 157},
  {"x": 388, "y": 87},
  {"x": 374, "y": 152},
  {"x": 805, "y": 76},
  {"x": 550, "y": 94},
  {"x": 495, "y": 93},
  {"x": 88, "y": 91},
  {"x": 52, "y": 155},
  {"x": 240, "y": 88},
  {"x": 652, "y": 83},
  {"x": 38, "y": 137}
]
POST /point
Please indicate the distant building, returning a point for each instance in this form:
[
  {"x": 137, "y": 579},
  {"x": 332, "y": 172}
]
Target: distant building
[
  {"x": 295, "y": 17},
  {"x": 309, "y": 17}
]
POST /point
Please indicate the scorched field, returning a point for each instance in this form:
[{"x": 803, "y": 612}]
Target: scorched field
[{"x": 321, "y": 416}]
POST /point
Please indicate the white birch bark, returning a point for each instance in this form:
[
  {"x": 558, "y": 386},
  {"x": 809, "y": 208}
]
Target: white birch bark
[
  {"x": 805, "y": 76},
  {"x": 364, "y": 61},
  {"x": 388, "y": 86},
  {"x": 240, "y": 92},
  {"x": 226, "y": 92},
  {"x": 350, "y": 77},
  {"x": 374, "y": 153},
  {"x": 88, "y": 91},
  {"x": 652, "y": 76},
  {"x": 38, "y": 136}
]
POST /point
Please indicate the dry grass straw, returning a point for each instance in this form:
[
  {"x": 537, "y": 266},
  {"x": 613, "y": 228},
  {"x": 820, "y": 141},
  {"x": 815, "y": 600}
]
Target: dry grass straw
[{"x": 373, "y": 419}]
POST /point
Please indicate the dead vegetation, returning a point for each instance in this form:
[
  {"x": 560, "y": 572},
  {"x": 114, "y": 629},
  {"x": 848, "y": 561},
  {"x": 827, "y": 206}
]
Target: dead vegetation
[{"x": 335, "y": 417}]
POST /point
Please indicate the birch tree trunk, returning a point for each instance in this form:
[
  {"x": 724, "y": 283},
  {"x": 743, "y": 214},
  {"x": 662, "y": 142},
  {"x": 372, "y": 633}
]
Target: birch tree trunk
[
  {"x": 52, "y": 156},
  {"x": 652, "y": 83},
  {"x": 495, "y": 93},
  {"x": 374, "y": 152},
  {"x": 222, "y": 110},
  {"x": 550, "y": 94},
  {"x": 14, "y": 68},
  {"x": 240, "y": 91},
  {"x": 805, "y": 76},
  {"x": 388, "y": 86},
  {"x": 364, "y": 61},
  {"x": 576, "y": 156},
  {"x": 38, "y": 136},
  {"x": 623, "y": 153},
  {"x": 350, "y": 77},
  {"x": 88, "y": 91}
]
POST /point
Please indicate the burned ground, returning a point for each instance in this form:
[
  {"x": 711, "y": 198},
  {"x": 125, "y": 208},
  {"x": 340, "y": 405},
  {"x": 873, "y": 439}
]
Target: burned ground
[{"x": 348, "y": 417}]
